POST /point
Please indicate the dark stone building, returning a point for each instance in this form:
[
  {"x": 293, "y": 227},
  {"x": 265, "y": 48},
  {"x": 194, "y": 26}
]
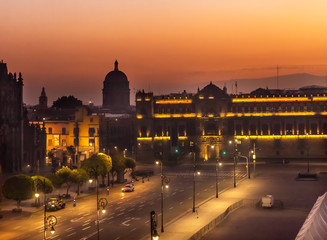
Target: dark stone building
[
  {"x": 21, "y": 144},
  {"x": 118, "y": 117},
  {"x": 43, "y": 101},
  {"x": 11, "y": 121}
]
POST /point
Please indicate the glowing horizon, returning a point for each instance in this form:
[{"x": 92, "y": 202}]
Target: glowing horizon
[{"x": 68, "y": 47}]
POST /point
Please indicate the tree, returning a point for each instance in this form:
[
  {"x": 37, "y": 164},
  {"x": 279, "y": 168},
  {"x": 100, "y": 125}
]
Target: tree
[
  {"x": 18, "y": 188},
  {"x": 71, "y": 152},
  {"x": 118, "y": 166},
  {"x": 54, "y": 159},
  {"x": 67, "y": 102},
  {"x": 42, "y": 184},
  {"x": 66, "y": 175},
  {"x": 98, "y": 164},
  {"x": 131, "y": 164},
  {"x": 80, "y": 176}
]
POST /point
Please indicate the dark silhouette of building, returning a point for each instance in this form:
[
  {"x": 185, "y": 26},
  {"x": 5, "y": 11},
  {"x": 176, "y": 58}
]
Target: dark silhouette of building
[
  {"x": 11, "y": 121},
  {"x": 116, "y": 92},
  {"x": 43, "y": 100}
]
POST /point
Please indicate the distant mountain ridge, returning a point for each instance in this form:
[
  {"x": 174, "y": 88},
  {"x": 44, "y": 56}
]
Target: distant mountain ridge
[{"x": 290, "y": 81}]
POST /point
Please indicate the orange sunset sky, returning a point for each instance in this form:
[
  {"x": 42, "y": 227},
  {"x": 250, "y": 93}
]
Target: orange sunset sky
[{"x": 164, "y": 46}]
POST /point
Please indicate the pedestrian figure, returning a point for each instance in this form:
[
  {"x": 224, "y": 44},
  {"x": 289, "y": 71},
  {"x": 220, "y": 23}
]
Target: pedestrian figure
[
  {"x": 142, "y": 179},
  {"x": 107, "y": 191},
  {"x": 148, "y": 178},
  {"x": 74, "y": 203}
]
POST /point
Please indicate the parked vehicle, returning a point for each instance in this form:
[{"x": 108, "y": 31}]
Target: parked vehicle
[
  {"x": 267, "y": 201},
  {"x": 128, "y": 188},
  {"x": 54, "y": 204}
]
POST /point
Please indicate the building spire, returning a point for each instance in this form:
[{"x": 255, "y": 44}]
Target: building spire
[{"x": 116, "y": 65}]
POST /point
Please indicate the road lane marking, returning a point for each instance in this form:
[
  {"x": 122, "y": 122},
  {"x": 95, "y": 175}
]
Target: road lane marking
[
  {"x": 71, "y": 234},
  {"x": 133, "y": 229},
  {"x": 171, "y": 208},
  {"x": 126, "y": 223},
  {"x": 69, "y": 229},
  {"x": 86, "y": 228},
  {"x": 85, "y": 224},
  {"x": 117, "y": 238},
  {"x": 180, "y": 203}
]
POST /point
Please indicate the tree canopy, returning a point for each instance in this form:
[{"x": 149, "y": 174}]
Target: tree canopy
[
  {"x": 67, "y": 102},
  {"x": 66, "y": 175},
  {"x": 18, "y": 188},
  {"x": 41, "y": 184},
  {"x": 99, "y": 162},
  {"x": 130, "y": 163}
]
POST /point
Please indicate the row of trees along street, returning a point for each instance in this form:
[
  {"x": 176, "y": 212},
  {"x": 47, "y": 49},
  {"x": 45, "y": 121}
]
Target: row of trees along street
[{"x": 23, "y": 187}]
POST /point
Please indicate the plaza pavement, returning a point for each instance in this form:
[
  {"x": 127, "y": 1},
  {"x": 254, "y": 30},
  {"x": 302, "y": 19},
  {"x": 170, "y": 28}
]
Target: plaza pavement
[{"x": 294, "y": 200}]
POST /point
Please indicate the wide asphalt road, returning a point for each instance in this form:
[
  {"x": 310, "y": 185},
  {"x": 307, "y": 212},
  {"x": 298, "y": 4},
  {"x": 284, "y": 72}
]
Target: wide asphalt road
[{"x": 128, "y": 214}]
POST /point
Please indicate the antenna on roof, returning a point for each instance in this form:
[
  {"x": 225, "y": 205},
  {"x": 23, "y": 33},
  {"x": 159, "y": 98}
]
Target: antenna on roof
[{"x": 277, "y": 77}]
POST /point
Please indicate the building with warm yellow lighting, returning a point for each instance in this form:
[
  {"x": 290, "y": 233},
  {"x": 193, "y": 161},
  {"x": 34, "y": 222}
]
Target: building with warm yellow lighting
[
  {"x": 79, "y": 129},
  {"x": 280, "y": 123}
]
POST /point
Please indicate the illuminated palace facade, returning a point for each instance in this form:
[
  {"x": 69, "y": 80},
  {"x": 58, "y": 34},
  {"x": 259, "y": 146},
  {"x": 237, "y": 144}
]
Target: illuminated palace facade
[{"x": 280, "y": 124}]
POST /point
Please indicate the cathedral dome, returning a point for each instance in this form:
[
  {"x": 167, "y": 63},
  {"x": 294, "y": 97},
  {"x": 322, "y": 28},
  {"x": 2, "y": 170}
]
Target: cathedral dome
[
  {"x": 116, "y": 92},
  {"x": 115, "y": 77}
]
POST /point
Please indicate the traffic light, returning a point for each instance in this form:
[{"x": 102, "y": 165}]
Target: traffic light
[
  {"x": 176, "y": 150},
  {"x": 222, "y": 153}
]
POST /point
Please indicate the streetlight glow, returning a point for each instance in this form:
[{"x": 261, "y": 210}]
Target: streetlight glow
[
  {"x": 103, "y": 211},
  {"x": 166, "y": 186},
  {"x": 52, "y": 230},
  {"x": 37, "y": 195},
  {"x": 198, "y": 172},
  {"x": 157, "y": 162},
  {"x": 212, "y": 146},
  {"x": 220, "y": 164},
  {"x": 90, "y": 180}
]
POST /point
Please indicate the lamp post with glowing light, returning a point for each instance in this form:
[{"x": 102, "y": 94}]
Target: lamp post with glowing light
[
  {"x": 164, "y": 183},
  {"x": 153, "y": 226},
  {"x": 102, "y": 202},
  {"x": 235, "y": 157},
  {"x": 218, "y": 164},
  {"x": 195, "y": 172},
  {"x": 48, "y": 221}
]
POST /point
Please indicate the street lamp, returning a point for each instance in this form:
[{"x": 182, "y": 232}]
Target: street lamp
[
  {"x": 103, "y": 202},
  {"x": 48, "y": 221},
  {"x": 235, "y": 156},
  {"x": 37, "y": 200},
  {"x": 218, "y": 164},
  {"x": 51, "y": 221},
  {"x": 254, "y": 157},
  {"x": 247, "y": 164},
  {"x": 194, "y": 173},
  {"x": 153, "y": 226},
  {"x": 307, "y": 148},
  {"x": 164, "y": 182}
]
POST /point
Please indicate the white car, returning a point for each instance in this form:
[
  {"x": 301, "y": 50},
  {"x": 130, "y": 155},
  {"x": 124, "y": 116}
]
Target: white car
[{"x": 128, "y": 188}]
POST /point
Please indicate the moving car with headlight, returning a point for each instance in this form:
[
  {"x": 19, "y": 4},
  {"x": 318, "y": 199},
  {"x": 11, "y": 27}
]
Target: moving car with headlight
[
  {"x": 128, "y": 188},
  {"x": 54, "y": 203}
]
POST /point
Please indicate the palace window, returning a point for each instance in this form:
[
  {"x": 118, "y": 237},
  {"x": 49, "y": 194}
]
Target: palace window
[
  {"x": 289, "y": 129},
  {"x": 314, "y": 129},
  {"x": 265, "y": 129}
]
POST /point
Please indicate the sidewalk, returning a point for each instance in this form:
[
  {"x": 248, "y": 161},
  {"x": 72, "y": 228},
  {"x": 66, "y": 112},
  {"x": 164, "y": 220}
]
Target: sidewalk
[{"x": 281, "y": 183}]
